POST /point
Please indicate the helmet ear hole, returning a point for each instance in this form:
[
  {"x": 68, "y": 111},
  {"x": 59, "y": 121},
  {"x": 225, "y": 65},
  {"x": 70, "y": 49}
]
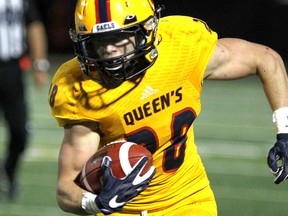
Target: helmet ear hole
[
  {"x": 74, "y": 38},
  {"x": 130, "y": 19},
  {"x": 73, "y": 34}
]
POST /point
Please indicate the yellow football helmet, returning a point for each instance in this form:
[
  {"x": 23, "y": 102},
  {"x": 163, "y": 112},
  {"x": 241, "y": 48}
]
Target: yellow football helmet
[{"x": 102, "y": 20}]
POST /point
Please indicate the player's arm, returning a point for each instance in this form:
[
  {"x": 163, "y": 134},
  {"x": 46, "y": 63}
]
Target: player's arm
[
  {"x": 79, "y": 143},
  {"x": 37, "y": 42},
  {"x": 235, "y": 58}
]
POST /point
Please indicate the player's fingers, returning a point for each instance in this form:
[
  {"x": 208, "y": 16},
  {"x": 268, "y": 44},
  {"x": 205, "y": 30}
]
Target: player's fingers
[
  {"x": 150, "y": 173},
  {"x": 107, "y": 171},
  {"x": 139, "y": 166},
  {"x": 282, "y": 174},
  {"x": 106, "y": 161},
  {"x": 280, "y": 177},
  {"x": 272, "y": 159},
  {"x": 145, "y": 179}
]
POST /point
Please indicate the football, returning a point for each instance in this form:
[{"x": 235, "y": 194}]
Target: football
[{"x": 124, "y": 156}]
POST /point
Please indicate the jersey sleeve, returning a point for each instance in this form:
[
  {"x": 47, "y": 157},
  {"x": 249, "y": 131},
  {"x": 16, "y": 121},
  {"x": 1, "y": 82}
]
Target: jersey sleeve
[
  {"x": 190, "y": 43},
  {"x": 62, "y": 92},
  {"x": 207, "y": 43}
]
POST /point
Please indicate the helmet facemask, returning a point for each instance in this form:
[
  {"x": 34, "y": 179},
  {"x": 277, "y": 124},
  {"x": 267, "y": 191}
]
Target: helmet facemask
[{"x": 130, "y": 65}]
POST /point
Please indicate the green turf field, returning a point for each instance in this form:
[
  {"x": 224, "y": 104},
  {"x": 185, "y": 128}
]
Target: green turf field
[{"x": 234, "y": 133}]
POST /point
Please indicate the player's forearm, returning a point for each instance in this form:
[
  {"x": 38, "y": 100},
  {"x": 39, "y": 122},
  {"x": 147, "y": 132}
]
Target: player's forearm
[
  {"x": 69, "y": 197},
  {"x": 274, "y": 78},
  {"x": 37, "y": 40}
]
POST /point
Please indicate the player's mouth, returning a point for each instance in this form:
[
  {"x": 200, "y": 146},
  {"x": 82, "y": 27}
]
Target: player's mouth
[
  {"x": 114, "y": 68},
  {"x": 114, "y": 65}
]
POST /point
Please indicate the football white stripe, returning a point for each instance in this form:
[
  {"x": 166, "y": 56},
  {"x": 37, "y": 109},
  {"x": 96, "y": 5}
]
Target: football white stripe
[
  {"x": 86, "y": 183},
  {"x": 124, "y": 157}
]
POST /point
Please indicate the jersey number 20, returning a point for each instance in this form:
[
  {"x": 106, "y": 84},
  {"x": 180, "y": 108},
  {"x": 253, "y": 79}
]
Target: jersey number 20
[{"x": 173, "y": 156}]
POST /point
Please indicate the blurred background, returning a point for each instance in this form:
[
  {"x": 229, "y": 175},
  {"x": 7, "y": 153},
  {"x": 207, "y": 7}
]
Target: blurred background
[{"x": 234, "y": 131}]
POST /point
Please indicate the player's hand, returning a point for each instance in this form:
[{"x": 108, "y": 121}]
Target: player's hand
[
  {"x": 279, "y": 154},
  {"x": 41, "y": 78},
  {"x": 115, "y": 193}
]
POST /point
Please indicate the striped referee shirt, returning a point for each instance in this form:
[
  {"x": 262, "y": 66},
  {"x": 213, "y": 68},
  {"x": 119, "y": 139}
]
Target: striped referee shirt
[{"x": 15, "y": 15}]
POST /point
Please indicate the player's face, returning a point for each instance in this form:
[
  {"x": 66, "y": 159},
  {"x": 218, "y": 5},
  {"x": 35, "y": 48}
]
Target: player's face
[{"x": 114, "y": 47}]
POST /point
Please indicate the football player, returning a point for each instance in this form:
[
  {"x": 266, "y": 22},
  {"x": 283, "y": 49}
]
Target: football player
[{"x": 139, "y": 77}]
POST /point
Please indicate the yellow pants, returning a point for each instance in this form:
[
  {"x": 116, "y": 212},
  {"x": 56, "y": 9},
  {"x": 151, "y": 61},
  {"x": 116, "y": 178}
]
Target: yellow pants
[
  {"x": 196, "y": 209},
  {"x": 204, "y": 208}
]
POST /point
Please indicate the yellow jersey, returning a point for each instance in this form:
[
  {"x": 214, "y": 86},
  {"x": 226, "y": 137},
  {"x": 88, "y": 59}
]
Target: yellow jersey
[{"x": 156, "y": 110}]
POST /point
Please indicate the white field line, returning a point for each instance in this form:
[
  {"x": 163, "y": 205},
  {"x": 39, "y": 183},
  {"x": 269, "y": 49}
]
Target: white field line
[
  {"x": 244, "y": 159},
  {"x": 238, "y": 150},
  {"x": 41, "y": 154},
  {"x": 250, "y": 194},
  {"x": 212, "y": 150}
]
